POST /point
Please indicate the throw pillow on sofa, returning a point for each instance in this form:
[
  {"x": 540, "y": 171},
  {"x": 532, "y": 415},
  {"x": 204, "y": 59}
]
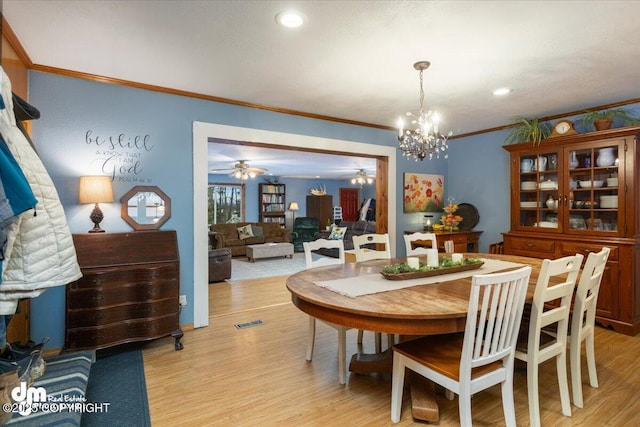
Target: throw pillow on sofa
[
  {"x": 337, "y": 233},
  {"x": 257, "y": 231},
  {"x": 245, "y": 232}
]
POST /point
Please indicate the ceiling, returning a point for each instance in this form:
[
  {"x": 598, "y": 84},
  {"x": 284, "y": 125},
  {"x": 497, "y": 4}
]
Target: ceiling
[{"x": 352, "y": 60}]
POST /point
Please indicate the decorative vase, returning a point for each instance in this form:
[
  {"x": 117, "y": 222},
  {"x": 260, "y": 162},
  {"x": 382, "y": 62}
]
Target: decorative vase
[
  {"x": 605, "y": 157},
  {"x": 573, "y": 161}
]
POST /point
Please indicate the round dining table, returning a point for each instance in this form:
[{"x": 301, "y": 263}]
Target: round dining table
[{"x": 436, "y": 308}]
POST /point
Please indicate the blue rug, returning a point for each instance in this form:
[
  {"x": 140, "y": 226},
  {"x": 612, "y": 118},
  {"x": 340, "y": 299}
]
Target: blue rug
[{"x": 118, "y": 379}]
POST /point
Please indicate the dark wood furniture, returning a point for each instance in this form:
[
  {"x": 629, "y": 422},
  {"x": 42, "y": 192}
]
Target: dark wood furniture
[
  {"x": 320, "y": 207},
  {"x": 272, "y": 203},
  {"x": 582, "y": 218},
  {"x": 437, "y": 308},
  {"x": 463, "y": 240},
  {"x": 129, "y": 291}
]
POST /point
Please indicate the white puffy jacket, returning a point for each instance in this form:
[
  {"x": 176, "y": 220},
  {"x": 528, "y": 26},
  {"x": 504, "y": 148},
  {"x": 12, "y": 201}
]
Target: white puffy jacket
[{"x": 40, "y": 252}]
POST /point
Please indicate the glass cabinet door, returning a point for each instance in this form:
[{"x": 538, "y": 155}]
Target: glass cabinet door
[
  {"x": 540, "y": 200},
  {"x": 592, "y": 180}
]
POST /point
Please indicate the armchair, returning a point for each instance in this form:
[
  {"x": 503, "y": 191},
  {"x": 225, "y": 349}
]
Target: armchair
[{"x": 305, "y": 229}]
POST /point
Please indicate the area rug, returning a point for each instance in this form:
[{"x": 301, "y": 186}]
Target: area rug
[
  {"x": 118, "y": 379},
  {"x": 242, "y": 269}
]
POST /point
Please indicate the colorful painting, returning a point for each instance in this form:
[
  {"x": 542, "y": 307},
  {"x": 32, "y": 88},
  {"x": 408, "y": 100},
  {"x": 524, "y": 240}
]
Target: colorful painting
[{"x": 423, "y": 192}]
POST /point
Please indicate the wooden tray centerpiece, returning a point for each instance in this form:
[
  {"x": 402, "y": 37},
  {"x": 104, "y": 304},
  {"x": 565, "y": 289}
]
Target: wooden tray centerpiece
[{"x": 402, "y": 271}]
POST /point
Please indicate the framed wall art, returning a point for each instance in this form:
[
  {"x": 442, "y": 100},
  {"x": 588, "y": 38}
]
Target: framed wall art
[{"x": 423, "y": 192}]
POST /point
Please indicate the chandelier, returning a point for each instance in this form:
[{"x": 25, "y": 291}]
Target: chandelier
[
  {"x": 425, "y": 140},
  {"x": 362, "y": 178}
]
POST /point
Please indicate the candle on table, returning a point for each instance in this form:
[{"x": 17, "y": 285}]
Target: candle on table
[
  {"x": 456, "y": 257},
  {"x": 432, "y": 257},
  {"x": 413, "y": 262}
]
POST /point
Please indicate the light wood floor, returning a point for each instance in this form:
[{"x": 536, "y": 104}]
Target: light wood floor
[{"x": 259, "y": 376}]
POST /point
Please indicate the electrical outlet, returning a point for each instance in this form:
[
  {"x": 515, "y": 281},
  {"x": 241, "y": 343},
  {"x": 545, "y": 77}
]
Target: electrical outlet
[{"x": 183, "y": 300}]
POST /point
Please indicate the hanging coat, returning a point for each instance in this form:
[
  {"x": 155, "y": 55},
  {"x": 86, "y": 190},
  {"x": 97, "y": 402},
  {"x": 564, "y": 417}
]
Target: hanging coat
[{"x": 40, "y": 252}]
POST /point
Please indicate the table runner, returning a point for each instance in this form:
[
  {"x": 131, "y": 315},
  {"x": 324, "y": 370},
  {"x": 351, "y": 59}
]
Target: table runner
[{"x": 373, "y": 283}]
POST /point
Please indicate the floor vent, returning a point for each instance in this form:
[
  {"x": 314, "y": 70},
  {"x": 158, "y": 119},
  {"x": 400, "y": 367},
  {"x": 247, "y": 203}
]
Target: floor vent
[{"x": 249, "y": 324}]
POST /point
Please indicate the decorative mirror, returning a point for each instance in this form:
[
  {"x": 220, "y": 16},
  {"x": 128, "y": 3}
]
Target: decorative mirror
[{"x": 145, "y": 207}]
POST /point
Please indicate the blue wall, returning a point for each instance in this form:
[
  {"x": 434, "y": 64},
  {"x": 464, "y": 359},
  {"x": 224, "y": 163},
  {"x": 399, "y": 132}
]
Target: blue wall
[
  {"x": 70, "y": 108},
  {"x": 476, "y": 171}
]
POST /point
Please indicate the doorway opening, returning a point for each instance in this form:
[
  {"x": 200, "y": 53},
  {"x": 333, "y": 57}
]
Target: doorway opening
[{"x": 203, "y": 133}]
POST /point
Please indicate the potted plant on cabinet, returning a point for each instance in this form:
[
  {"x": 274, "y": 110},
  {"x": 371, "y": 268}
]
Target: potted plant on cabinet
[
  {"x": 603, "y": 119},
  {"x": 528, "y": 130}
]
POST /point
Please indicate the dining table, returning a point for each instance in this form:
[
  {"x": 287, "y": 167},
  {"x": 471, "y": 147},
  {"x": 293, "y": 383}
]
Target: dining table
[{"x": 355, "y": 295}]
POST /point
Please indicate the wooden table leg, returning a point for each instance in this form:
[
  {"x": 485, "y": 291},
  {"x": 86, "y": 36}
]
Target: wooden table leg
[
  {"x": 423, "y": 398},
  {"x": 423, "y": 392}
]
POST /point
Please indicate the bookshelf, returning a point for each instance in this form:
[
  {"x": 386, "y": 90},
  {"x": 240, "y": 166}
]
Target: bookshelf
[{"x": 272, "y": 203}]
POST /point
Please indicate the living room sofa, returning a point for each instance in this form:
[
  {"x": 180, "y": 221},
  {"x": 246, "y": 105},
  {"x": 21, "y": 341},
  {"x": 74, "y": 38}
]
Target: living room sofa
[{"x": 227, "y": 236}]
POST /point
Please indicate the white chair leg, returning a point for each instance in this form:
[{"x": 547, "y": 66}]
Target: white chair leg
[
  {"x": 576, "y": 374},
  {"x": 591, "y": 360},
  {"x": 561, "y": 365},
  {"x": 397, "y": 386},
  {"x": 508, "y": 405},
  {"x": 532, "y": 390},
  {"x": 311, "y": 338},
  {"x": 360, "y": 335},
  {"x": 378, "y": 342},
  {"x": 342, "y": 355},
  {"x": 391, "y": 340},
  {"x": 464, "y": 408}
]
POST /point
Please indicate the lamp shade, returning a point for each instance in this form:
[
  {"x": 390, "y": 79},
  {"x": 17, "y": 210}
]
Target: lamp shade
[
  {"x": 95, "y": 189},
  {"x": 293, "y": 206}
]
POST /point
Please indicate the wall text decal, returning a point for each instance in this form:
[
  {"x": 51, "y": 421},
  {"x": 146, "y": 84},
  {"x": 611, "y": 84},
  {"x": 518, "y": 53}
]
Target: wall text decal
[{"x": 121, "y": 156}]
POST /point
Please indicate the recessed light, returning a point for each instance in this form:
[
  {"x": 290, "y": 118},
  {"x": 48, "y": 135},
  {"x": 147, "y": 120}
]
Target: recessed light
[
  {"x": 290, "y": 19},
  {"x": 502, "y": 91}
]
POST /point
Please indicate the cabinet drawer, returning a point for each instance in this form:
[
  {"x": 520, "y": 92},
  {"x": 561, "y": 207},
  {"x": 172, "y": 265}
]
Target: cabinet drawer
[
  {"x": 77, "y": 318},
  {"x": 115, "y": 277},
  {"x": 122, "y": 332},
  {"x": 572, "y": 248},
  {"x": 104, "y": 296},
  {"x": 529, "y": 247}
]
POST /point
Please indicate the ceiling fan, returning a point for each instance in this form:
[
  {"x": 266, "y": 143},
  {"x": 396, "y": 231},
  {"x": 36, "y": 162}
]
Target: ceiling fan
[{"x": 242, "y": 171}]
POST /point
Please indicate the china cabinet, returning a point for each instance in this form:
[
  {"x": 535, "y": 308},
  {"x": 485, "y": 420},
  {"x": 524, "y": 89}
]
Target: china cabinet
[{"x": 575, "y": 194}]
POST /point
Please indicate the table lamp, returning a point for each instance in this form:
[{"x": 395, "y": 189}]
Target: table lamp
[{"x": 95, "y": 189}]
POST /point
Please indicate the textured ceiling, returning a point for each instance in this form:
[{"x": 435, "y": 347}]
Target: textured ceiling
[{"x": 353, "y": 59}]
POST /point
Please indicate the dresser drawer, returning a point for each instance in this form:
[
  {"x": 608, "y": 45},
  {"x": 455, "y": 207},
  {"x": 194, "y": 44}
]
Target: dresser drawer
[
  {"x": 572, "y": 248},
  {"x": 77, "y": 318},
  {"x": 123, "y": 294},
  {"x": 115, "y": 277},
  {"x": 122, "y": 332},
  {"x": 538, "y": 248}
]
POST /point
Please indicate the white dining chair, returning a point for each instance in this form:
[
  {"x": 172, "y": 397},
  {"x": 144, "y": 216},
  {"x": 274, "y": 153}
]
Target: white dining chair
[
  {"x": 482, "y": 356},
  {"x": 419, "y": 250},
  {"x": 313, "y": 260},
  {"x": 583, "y": 321},
  {"x": 367, "y": 254},
  {"x": 534, "y": 345}
]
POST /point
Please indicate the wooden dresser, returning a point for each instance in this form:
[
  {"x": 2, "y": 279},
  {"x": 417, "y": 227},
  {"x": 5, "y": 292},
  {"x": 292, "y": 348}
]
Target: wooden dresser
[{"x": 129, "y": 291}]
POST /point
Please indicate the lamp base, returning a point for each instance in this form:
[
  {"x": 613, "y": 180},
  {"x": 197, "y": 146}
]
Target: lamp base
[{"x": 96, "y": 218}]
